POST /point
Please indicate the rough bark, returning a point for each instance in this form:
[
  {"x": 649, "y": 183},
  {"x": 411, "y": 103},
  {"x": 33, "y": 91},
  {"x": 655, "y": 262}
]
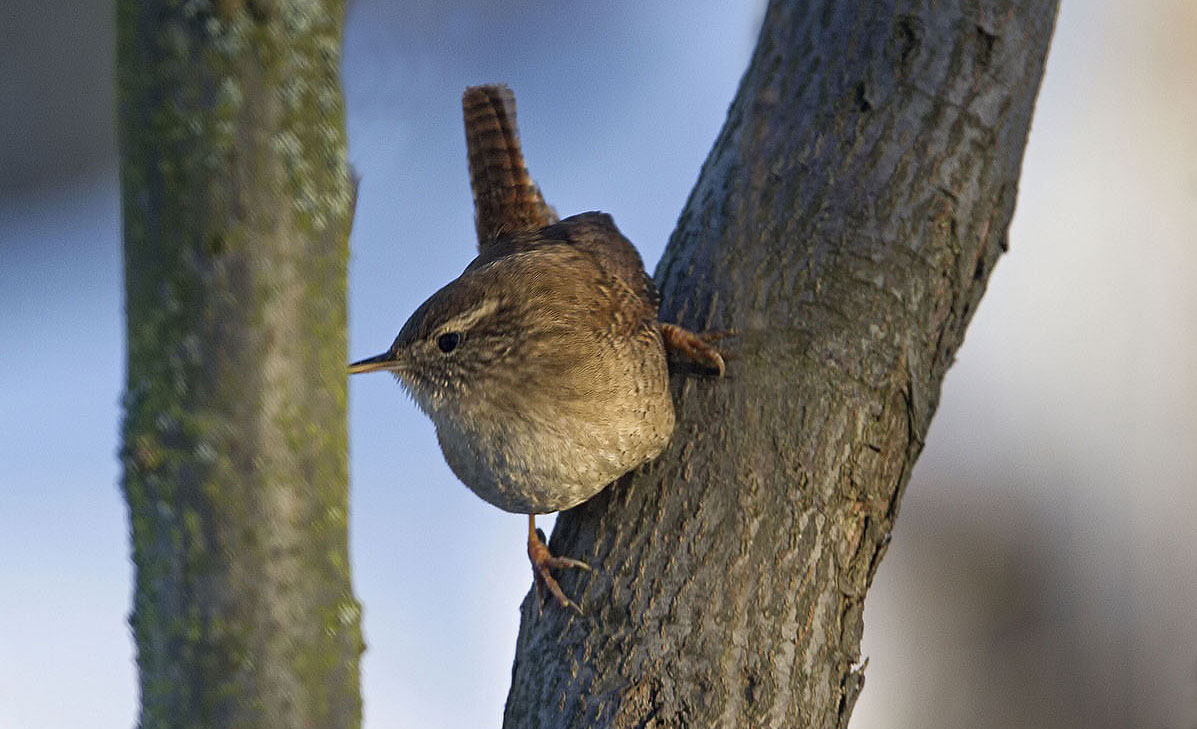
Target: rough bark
[
  {"x": 846, "y": 223},
  {"x": 237, "y": 205}
]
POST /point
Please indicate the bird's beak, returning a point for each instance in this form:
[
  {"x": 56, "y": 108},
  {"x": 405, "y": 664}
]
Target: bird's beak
[{"x": 384, "y": 361}]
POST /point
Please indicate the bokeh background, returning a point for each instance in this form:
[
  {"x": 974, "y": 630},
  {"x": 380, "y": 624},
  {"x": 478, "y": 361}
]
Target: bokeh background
[{"x": 1043, "y": 569}]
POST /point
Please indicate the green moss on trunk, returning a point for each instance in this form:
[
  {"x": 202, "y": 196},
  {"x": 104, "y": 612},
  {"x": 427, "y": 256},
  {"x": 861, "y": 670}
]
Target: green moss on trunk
[{"x": 237, "y": 206}]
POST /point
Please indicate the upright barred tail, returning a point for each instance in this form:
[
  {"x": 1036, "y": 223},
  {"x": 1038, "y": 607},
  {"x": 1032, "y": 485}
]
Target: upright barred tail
[{"x": 506, "y": 200}]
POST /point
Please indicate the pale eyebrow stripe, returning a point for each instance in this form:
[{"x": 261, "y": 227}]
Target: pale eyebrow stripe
[{"x": 464, "y": 321}]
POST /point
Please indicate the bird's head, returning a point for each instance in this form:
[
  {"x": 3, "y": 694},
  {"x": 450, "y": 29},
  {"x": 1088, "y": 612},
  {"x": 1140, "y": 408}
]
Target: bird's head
[{"x": 495, "y": 337}]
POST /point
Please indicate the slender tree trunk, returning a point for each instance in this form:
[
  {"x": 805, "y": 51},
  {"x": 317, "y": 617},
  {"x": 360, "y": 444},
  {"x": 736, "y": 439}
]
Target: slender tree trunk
[
  {"x": 845, "y": 223},
  {"x": 237, "y": 205}
]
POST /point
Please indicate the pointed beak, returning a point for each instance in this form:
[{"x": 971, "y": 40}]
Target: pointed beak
[{"x": 384, "y": 361}]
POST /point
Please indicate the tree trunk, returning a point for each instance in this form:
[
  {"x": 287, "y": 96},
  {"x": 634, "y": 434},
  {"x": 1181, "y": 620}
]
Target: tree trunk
[
  {"x": 845, "y": 223},
  {"x": 237, "y": 205}
]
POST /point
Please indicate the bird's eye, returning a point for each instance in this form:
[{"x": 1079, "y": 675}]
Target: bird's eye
[{"x": 448, "y": 341}]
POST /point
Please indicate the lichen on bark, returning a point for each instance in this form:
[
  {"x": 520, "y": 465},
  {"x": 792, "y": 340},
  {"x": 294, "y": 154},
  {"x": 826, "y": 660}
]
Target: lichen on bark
[{"x": 236, "y": 210}]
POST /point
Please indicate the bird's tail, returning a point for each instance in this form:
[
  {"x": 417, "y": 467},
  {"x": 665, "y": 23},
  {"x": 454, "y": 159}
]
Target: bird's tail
[{"x": 506, "y": 200}]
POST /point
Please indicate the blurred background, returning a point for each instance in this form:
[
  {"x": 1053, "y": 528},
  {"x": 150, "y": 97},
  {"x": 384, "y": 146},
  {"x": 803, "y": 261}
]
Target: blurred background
[{"x": 1043, "y": 569}]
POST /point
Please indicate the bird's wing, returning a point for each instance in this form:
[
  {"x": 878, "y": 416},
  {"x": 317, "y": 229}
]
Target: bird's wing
[{"x": 595, "y": 235}]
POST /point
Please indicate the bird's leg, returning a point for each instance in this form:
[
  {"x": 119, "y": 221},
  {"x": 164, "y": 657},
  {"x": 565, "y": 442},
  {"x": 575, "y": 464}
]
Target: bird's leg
[
  {"x": 542, "y": 561},
  {"x": 694, "y": 346}
]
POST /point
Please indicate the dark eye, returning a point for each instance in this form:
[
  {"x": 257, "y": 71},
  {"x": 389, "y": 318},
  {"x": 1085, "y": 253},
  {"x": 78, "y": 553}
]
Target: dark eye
[{"x": 448, "y": 341}]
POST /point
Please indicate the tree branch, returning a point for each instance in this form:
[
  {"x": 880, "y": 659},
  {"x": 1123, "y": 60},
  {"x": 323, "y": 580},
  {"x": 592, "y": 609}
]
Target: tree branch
[{"x": 846, "y": 223}]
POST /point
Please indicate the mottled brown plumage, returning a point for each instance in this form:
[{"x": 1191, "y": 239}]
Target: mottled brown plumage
[
  {"x": 555, "y": 382},
  {"x": 543, "y": 366}
]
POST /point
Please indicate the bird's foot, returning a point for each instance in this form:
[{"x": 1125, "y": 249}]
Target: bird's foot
[
  {"x": 695, "y": 346},
  {"x": 542, "y": 561}
]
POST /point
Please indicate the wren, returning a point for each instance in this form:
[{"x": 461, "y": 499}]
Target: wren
[{"x": 543, "y": 365}]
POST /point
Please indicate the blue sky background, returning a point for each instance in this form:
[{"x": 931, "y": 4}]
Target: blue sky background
[{"x": 1041, "y": 573}]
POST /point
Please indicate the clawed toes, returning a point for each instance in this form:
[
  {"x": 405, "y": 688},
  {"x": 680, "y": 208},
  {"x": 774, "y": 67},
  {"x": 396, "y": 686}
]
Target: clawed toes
[
  {"x": 696, "y": 346},
  {"x": 546, "y": 583},
  {"x": 542, "y": 562}
]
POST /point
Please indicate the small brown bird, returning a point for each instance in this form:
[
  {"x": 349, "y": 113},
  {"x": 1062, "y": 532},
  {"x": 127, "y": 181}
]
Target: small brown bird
[{"x": 543, "y": 366}]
